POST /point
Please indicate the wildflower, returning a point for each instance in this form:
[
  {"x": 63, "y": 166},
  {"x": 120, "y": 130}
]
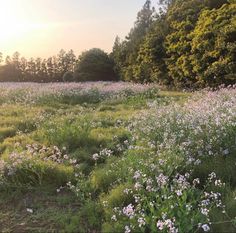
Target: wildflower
[
  {"x": 212, "y": 176},
  {"x": 127, "y": 191},
  {"x": 137, "y": 175},
  {"x": 162, "y": 180},
  {"x": 113, "y": 218},
  {"x": 129, "y": 211},
  {"x": 29, "y": 210},
  {"x": 141, "y": 222},
  {"x": 127, "y": 229},
  {"x": 218, "y": 183},
  {"x": 160, "y": 225},
  {"x": 137, "y": 186},
  {"x": 226, "y": 152},
  {"x": 205, "y": 227},
  {"x": 204, "y": 211},
  {"x": 196, "y": 181},
  {"x": 179, "y": 192},
  {"x": 95, "y": 157}
]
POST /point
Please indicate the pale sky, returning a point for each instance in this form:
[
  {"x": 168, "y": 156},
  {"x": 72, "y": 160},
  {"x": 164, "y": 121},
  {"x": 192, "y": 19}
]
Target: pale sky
[{"x": 43, "y": 27}]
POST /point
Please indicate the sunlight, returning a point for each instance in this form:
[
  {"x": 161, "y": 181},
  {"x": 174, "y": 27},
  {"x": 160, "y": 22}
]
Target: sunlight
[
  {"x": 16, "y": 26},
  {"x": 10, "y": 22}
]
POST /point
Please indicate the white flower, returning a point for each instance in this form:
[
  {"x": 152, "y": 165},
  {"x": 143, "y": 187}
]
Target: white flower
[
  {"x": 29, "y": 210},
  {"x": 137, "y": 175},
  {"x": 218, "y": 183},
  {"x": 160, "y": 225},
  {"x": 226, "y": 152},
  {"x": 141, "y": 222},
  {"x": 95, "y": 157},
  {"x": 129, "y": 211},
  {"x": 204, "y": 211},
  {"x": 205, "y": 227},
  {"x": 137, "y": 186},
  {"x": 196, "y": 181},
  {"x": 114, "y": 218},
  {"x": 179, "y": 192},
  {"x": 127, "y": 229},
  {"x": 162, "y": 180}
]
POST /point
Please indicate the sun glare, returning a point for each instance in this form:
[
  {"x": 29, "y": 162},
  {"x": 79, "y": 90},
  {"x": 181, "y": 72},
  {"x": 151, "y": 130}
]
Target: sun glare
[
  {"x": 10, "y": 22},
  {"x": 16, "y": 26}
]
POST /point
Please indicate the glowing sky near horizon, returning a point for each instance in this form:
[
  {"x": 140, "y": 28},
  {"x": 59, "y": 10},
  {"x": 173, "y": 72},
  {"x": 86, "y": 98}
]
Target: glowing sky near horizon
[{"x": 42, "y": 28}]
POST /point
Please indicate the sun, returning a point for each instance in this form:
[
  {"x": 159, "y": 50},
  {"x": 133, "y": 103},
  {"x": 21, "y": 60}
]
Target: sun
[
  {"x": 16, "y": 27},
  {"x": 12, "y": 24}
]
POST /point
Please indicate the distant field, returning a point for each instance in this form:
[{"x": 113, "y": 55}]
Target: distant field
[{"x": 116, "y": 157}]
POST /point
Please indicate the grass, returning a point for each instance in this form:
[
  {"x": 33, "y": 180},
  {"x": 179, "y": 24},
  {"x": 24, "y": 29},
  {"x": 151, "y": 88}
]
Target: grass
[{"x": 72, "y": 159}]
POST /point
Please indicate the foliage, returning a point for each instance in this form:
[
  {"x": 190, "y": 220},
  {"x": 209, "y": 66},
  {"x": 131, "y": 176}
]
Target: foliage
[
  {"x": 213, "y": 46},
  {"x": 125, "y": 53},
  {"x": 17, "y": 68},
  {"x": 68, "y": 77},
  {"x": 150, "y": 66},
  {"x": 94, "y": 65},
  {"x": 187, "y": 44}
]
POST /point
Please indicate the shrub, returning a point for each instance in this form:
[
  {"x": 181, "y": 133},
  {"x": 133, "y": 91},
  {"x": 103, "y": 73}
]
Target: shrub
[
  {"x": 95, "y": 65},
  {"x": 68, "y": 77}
]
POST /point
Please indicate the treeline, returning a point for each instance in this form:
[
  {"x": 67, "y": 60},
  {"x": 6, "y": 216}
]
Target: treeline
[
  {"x": 186, "y": 43},
  {"x": 17, "y": 68},
  {"x": 183, "y": 44},
  {"x": 92, "y": 65}
]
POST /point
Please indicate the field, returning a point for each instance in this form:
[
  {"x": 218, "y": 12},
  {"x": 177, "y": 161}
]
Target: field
[{"x": 116, "y": 157}]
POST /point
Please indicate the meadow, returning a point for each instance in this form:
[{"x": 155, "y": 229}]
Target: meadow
[{"x": 116, "y": 157}]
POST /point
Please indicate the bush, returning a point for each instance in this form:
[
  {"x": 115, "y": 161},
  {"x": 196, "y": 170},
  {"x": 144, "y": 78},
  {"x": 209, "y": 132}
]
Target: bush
[
  {"x": 68, "y": 77},
  {"x": 95, "y": 65}
]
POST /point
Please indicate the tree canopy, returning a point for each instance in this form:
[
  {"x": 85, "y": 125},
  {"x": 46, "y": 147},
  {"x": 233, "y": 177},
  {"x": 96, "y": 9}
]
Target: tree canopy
[
  {"x": 187, "y": 43},
  {"x": 95, "y": 65}
]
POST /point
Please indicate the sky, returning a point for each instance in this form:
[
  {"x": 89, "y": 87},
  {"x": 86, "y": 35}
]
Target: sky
[{"x": 40, "y": 28}]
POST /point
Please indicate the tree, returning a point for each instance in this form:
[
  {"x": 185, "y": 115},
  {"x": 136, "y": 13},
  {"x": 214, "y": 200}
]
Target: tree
[
  {"x": 150, "y": 65},
  {"x": 1, "y": 58},
  {"x": 214, "y": 47},
  {"x": 95, "y": 65},
  {"x": 125, "y": 53},
  {"x": 68, "y": 77},
  {"x": 118, "y": 56},
  {"x": 182, "y": 18}
]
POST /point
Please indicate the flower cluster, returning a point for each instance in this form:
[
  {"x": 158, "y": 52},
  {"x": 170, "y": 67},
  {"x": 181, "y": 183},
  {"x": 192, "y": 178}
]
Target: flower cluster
[
  {"x": 175, "y": 138},
  {"x": 97, "y": 91}
]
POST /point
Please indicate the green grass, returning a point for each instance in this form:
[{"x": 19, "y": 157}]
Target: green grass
[
  {"x": 49, "y": 144},
  {"x": 83, "y": 128}
]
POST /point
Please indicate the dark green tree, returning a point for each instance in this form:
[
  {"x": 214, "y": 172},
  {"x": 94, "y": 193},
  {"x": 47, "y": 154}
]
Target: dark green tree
[
  {"x": 125, "y": 53},
  {"x": 95, "y": 65},
  {"x": 150, "y": 64}
]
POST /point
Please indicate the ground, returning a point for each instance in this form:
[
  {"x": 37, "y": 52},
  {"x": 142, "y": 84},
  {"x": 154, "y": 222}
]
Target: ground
[{"x": 66, "y": 152}]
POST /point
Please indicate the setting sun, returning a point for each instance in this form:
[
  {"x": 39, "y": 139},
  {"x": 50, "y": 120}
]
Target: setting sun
[
  {"x": 17, "y": 27},
  {"x": 42, "y": 28},
  {"x": 12, "y": 25}
]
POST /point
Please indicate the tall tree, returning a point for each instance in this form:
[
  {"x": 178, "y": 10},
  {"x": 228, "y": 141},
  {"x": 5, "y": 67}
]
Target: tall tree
[
  {"x": 182, "y": 17},
  {"x": 127, "y": 51},
  {"x": 214, "y": 46},
  {"x": 150, "y": 65}
]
